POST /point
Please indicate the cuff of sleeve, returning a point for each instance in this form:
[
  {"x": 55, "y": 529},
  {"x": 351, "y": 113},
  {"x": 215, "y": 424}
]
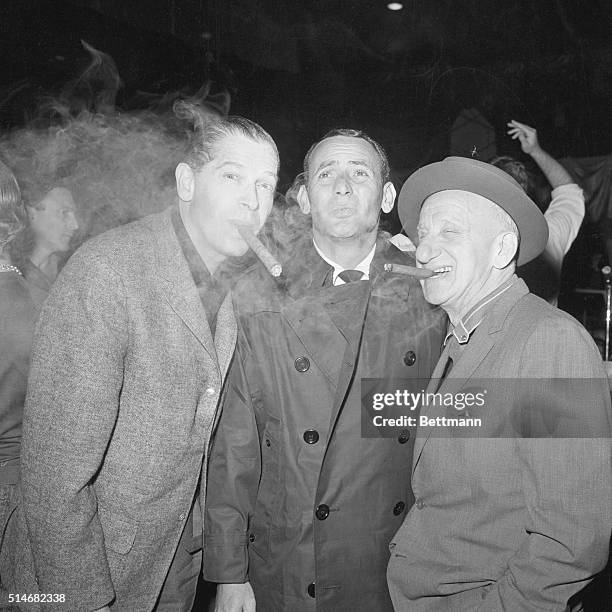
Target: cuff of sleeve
[
  {"x": 225, "y": 562},
  {"x": 567, "y": 189}
]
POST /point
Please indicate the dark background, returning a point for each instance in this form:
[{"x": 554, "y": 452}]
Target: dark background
[{"x": 302, "y": 67}]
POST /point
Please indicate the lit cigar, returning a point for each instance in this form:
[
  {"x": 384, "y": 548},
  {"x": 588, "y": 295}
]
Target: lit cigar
[
  {"x": 409, "y": 270},
  {"x": 266, "y": 258}
]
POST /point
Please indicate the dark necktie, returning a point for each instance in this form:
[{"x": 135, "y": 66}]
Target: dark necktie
[{"x": 349, "y": 276}]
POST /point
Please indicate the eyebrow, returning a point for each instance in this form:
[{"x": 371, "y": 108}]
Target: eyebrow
[{"x": 239, "y": 165}]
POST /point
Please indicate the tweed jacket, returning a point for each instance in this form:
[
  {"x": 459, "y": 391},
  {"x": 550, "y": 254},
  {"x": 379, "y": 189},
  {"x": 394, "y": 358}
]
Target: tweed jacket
[
  {"x": 124, "y": 384},
  {"x": 516, "y": 516}
]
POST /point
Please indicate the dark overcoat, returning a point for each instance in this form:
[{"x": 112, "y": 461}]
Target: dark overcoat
[{"x": 299, "y": 503}]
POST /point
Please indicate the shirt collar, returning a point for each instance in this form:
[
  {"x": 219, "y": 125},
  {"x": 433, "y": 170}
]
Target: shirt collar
[
  {"x": 475, "y": 315},
  {"x": 362, "y": 266}
]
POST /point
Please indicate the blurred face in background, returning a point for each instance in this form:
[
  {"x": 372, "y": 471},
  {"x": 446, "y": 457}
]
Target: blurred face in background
[{"x": 53, "y": 222}]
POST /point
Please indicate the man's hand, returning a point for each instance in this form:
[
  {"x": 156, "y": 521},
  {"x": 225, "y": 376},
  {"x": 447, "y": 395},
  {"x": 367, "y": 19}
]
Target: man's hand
[
  {"x": 235, "y": 598},
  {"x": 527, "y": 136}
]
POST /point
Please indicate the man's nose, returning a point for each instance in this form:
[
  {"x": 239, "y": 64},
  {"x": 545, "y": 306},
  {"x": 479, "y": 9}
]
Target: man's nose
[
  {"x": 73, "y": 224},
  {"x": 426, "y": 251},
  {"x": 250, "y": 198},
  {"x": 342, "y": 185}
]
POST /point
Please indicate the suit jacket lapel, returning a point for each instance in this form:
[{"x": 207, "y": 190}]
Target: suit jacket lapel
[
  {"x": 177, "y": 284},
  {"x": 433, "y": 387}
]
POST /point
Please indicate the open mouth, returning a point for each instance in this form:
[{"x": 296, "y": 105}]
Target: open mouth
[{"x": 439, "y": 272}]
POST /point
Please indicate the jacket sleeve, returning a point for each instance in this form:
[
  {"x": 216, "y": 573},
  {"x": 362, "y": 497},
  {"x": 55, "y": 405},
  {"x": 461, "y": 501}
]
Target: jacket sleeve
[
  {"x": 71, "y": 408},
  {"x": 567, "y": 481},
  {"x": 233, "y": 476}
]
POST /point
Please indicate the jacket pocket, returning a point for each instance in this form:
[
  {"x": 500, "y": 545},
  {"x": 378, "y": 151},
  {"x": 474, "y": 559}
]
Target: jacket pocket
[
  {"x": 266, "y": 507},
  {"x": 119, "y": 533}
]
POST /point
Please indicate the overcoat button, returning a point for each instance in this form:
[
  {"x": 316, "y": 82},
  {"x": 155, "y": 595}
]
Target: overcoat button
[
  {"x": 420, "y": 504},
  {"x": 311, "y": 589},
  {"x": 302, "y": 364},
  {"x": 399, "y": 508},
  {"x": 251, "y": 537},
  {"x": 409, "y": 358},
  {"x": 268, "y": 443},
  {"x": 404, "y": 436},
  {"x": 311, "y": 436},
  {"x": 322, "y": 512}
]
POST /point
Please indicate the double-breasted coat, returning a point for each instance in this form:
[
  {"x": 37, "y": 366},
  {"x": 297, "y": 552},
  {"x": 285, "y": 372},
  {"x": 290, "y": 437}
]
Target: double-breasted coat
[
  {"x": 124, "y": 385},
  {"x": 299, "y": 503}
]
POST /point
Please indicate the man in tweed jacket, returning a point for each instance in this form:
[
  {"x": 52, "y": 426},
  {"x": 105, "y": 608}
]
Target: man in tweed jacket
[{"x": 128, "y": 363}]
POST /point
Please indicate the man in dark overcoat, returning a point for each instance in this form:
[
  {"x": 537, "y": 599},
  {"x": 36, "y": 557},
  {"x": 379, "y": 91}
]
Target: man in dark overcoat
[{"x": 301, "y": 505}]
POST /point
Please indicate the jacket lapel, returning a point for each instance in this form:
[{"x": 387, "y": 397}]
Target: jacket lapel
[
  {"x": 310, "y": 314},
  {"x": 177, "y": 284}
]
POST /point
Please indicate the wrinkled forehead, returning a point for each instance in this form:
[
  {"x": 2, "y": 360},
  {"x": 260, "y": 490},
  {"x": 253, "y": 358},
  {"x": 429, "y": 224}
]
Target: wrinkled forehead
[
  {"x": 344, "y": 149},
  {"x": 458, "y": 205}
]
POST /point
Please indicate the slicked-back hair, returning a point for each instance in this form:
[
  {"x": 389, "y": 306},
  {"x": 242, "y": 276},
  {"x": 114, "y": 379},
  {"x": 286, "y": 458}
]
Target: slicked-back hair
[
  {"x": 209, "y": 129},
  {"x": 10, "y": 206},
  {"x": 384, "y": 168}
]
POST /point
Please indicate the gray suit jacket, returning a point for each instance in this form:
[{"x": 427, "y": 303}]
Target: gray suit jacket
[
  {"x": 519, "y": 517},
  {"x": 124, "y": 385}
]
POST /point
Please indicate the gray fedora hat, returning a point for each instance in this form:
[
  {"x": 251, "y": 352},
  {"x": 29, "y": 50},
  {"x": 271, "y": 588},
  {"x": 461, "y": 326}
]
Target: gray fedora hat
[{"x": 484, "y": 179}]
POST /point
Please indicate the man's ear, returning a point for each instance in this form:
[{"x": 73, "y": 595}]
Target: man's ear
[
  {"x": 506, "y": 247},
  {"x": 303, "y": 200},
  {"x": 185, "y": 182},
  {"x": 388, "y": 199}
]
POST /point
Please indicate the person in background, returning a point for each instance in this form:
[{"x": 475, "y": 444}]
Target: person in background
[
  {"x": 17, "y": 319},
  {"x": 127, "y": 367},
  {"x": 564, "y": 214},
  {"x": 39, "y": 250}
]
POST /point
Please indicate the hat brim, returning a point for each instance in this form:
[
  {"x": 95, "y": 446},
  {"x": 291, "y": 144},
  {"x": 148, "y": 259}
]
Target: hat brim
[{"x": 484, "y": 179}]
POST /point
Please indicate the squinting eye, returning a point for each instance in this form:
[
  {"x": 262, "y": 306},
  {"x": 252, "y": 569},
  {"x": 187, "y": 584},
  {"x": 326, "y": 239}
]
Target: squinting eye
[
  {"x": 266, "y": 186},
  {"x": 323, "y": 175},
  {"x": 230, "y": 176},
  {"x": 361, "y": 173}
]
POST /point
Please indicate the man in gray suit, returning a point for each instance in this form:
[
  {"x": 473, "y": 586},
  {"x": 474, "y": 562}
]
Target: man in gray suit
[
  {"x": 515, "y": 513},
  {"x": 127, "y": 367}
]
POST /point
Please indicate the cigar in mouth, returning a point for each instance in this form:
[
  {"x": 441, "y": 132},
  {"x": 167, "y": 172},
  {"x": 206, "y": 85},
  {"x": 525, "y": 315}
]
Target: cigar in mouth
[
  {"x": 267, "y": 259},
  {"x": 408, "y": 270}
]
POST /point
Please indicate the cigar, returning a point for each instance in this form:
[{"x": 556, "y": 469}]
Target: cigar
[
  {"x": 266, "y": 258},
  {"x": 409, "y": 270}
]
